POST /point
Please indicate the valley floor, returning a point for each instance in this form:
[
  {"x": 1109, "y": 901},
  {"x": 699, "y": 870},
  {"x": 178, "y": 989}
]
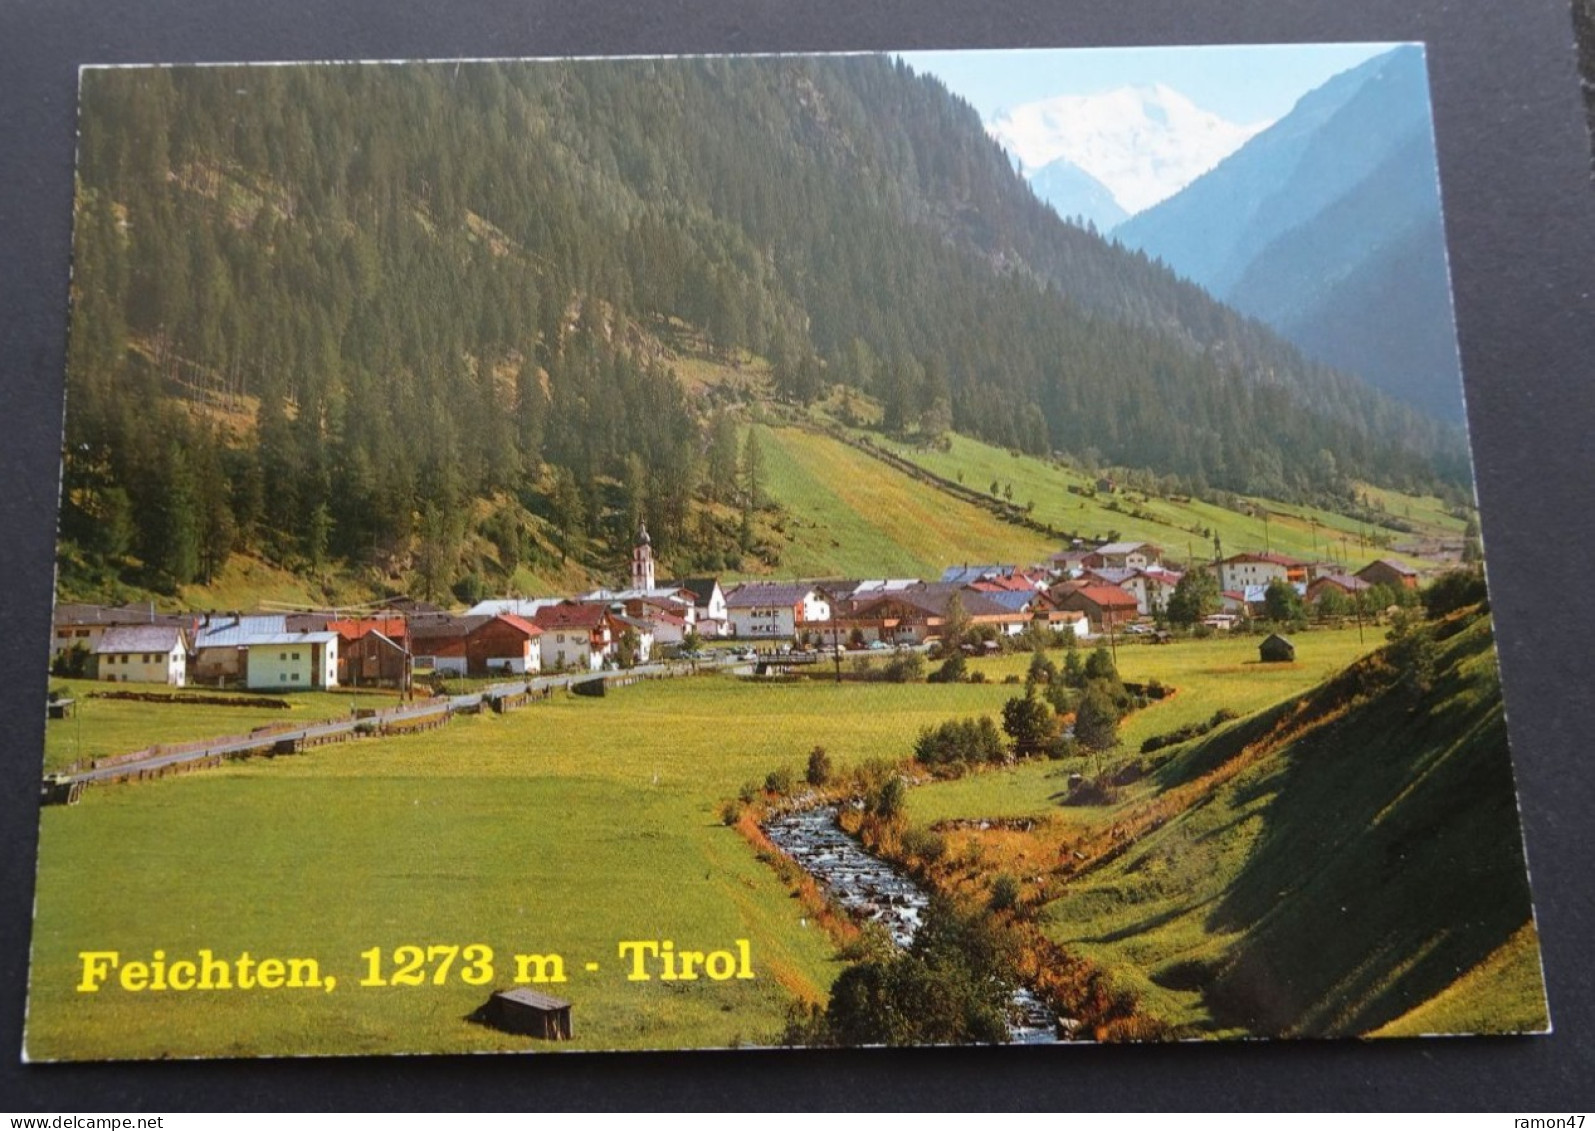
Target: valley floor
[{"x": 571, "y": 827}]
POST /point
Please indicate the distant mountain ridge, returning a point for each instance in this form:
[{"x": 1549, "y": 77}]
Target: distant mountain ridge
[
  {"x": 1075, "y": 194},
  {"x": 1326, "y": 227}
]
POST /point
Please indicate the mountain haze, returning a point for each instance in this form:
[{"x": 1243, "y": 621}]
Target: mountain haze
[
  {"x": 1072, "y": 192},
  {"x": 1326, "y": 226}
]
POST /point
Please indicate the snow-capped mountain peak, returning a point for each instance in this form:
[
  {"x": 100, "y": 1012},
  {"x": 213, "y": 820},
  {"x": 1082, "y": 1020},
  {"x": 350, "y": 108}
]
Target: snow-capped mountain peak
[{"x": 1144, "y": 143}]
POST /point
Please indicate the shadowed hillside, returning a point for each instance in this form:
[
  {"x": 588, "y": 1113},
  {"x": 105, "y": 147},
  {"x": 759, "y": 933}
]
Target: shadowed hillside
[{"x": 1331, "y": 865}]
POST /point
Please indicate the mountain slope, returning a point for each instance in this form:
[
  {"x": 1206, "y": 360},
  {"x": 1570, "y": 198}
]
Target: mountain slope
[
  {"x": 1330, "y": 865},
  {"x": 1326, "y": 227},
  {"x": 319, "y": 323},
  {"x": 844, "y": 514}
]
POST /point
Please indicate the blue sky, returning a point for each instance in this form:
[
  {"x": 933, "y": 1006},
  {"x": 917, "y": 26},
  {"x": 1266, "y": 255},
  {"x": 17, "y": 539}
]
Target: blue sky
[{"x": 1245, "y": 84}]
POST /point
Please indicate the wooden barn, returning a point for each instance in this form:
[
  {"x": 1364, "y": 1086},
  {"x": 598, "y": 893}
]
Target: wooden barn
[
  {"x": 527, "y": 1012},
  {"x": 503, "y": 644},
  {"x": 373, "y": 652},
  {"x": 1385, "y": 571},
  {"x": 1276, "y": 649}
]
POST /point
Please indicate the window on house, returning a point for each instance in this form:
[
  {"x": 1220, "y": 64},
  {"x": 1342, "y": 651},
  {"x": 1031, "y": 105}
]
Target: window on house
[
  {"x": 296, "y": 677},
  {"x": 282, "y": 656},
  {"x": 282, "y": 677}
]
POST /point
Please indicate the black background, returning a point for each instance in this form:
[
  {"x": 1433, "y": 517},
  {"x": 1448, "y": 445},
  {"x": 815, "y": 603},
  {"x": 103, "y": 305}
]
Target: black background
[{"x": 1520, "y": 217}]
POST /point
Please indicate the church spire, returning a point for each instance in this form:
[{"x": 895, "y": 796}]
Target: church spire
[{"x": 642, "y": 559}]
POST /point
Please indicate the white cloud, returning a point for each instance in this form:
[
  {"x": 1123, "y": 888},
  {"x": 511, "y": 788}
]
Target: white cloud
[{"x": 1144, "y": 143}]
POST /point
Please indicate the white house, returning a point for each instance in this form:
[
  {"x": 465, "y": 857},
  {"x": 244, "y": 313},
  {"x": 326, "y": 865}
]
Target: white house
[
  {"x": 292, "y": 661},
  {"x": 644, "y": 630},
  {"x": 576, "y": 636},
  {"x": 707, "y": 599},
  {"x": 221, "y": 644},
  {"x": 1152, "y": 589},
  {"x": 1256, "y": 569},
  {"x": 145, "y": 653},
  {"x": 762, "y": 610}
]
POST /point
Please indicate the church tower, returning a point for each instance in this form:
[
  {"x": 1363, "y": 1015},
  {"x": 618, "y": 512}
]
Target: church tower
[{"x": 642, "y": 560}]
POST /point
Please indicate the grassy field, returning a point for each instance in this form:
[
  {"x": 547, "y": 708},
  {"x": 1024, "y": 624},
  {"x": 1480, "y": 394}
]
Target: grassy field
[
  {"x": 1208, "y": 674},
  {"x": 575, "y": 824},
  {"x": 565, "y": 827},
  {"x": 102, "y": 727},
  {"x": 852, "y": 516},
  {"x": 1302, "y": 532}
]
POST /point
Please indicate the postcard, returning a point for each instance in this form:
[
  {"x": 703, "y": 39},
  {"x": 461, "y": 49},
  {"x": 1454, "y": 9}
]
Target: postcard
[{"x": 834, "y": 550}]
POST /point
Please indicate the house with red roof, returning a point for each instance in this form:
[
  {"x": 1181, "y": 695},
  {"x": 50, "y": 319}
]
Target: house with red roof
[
  {"x": 505, "y": 644},
  {"x": 1152, "y": 589},
  {"x": 917, "y": 614},
  {"x": 575, "y": 635}
]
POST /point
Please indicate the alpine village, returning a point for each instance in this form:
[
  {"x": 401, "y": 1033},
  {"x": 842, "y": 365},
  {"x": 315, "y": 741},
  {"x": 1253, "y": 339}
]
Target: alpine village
[{"x": 540, "y": 507}]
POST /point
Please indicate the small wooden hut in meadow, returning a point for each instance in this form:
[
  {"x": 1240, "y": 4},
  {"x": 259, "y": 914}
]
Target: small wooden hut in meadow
[
  {"x": 527, "y": 1012},
  {"x": 1276, "y": 649},
  {"x": 60, "y": 789}
]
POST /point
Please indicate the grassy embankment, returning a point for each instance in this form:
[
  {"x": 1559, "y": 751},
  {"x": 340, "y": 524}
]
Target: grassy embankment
[
  {"x": 1343, "y": 862},
  {"x": 566, "y": 827}
]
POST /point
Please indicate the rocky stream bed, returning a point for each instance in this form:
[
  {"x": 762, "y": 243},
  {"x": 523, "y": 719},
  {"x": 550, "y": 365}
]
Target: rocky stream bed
[{"x": 871, "y": 890}]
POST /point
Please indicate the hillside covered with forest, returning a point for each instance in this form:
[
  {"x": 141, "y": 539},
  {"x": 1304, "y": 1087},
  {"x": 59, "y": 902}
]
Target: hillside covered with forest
[{"x": 362, "y": 319}]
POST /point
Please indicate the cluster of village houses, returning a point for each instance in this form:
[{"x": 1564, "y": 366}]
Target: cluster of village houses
[{"x": 1087, "y": 591}]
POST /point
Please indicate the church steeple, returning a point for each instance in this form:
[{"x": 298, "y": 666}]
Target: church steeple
[{"x": 642, "y": 560}]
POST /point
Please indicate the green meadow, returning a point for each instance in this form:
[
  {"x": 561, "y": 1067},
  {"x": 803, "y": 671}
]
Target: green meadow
[
  {"x": 574, "y": 825},
  {"x": 98, "y": 728},
  {"x": 566, "y": 827},
  {"x": 1207, "y": 674},
  {"x": 850, "y": 515},
  {"x": 1310, "y": 533}
]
